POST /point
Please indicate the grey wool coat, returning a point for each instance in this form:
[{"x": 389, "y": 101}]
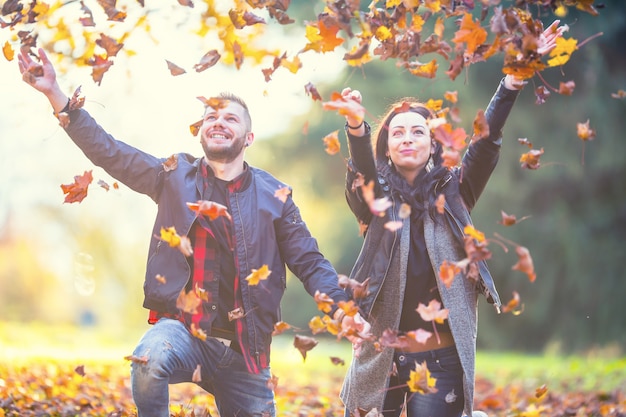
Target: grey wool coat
[{"x": 384, "y": 254}]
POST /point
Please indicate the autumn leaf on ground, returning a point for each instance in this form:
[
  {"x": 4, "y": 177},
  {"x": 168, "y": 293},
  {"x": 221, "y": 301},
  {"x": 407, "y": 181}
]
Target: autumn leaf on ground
[
  {"x": 304, "y": 344},
  {"x": 77, "y": 191},
  {"x": 512, "y": 305},
  {"x": 282, "y": 193},
  {"x": 188, "y": 302},
  {"x": 481, "y": 127},
  {"x": 258, "y": 275},
  {"x": 174, "y": 69},
  {"x": 530, "y": 159},
  {"x": 525, "y": 263},
  {"x": 324, "y": 302},
  {"x": 421, "y": 381},
  {"x": 207, "y": 61},
  {"x": 331, "y": 143},
  {"x": 210, "y": 209},
  {"x": 470, "y": 33}
]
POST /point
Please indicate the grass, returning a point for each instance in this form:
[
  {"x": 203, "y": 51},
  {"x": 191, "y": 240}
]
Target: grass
[{"x": 37, "y": 362}]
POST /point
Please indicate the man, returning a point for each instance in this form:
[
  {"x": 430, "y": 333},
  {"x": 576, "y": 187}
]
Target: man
[{"x": 212, "y": 325}]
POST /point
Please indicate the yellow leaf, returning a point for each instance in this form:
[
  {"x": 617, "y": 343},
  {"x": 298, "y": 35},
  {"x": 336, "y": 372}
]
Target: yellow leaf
[
  {"x": 170, "y": 236},
  {"x": 562, "y": 52},
  {"x": 476, "y": 234},
  {"x": 383, "y": 33},
  {"x": 258, "y": 275},
  {"x": 421, "y": 381},
  {"x": 393, "y": 3},
  {"x": 8, "y": 52}
]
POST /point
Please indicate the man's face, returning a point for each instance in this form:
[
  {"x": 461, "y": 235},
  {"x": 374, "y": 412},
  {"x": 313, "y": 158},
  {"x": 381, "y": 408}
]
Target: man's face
[{"x": 224, "y": 133}]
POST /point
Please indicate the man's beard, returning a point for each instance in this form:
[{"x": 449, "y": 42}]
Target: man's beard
[{"x": 224, "y": 153}]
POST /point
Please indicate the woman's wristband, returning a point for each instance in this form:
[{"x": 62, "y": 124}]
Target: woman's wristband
[{"x": 355, "y": 127}]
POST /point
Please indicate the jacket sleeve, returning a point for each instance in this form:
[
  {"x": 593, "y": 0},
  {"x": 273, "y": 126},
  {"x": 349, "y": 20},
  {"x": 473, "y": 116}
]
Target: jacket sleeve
[
  {"x": 482, "y": 155},
  {"x": 361, "y": 162},
  {"x": 136, "y": 169}
]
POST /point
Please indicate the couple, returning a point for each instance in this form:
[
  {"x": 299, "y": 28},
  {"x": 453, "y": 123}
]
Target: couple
[{"x": 247, "y": 228}]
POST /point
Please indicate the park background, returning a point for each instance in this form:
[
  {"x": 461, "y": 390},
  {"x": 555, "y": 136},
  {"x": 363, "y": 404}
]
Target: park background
[{"x": 71, "y": 274}]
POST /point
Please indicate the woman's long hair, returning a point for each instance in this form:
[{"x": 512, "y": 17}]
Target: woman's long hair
[{"x": 419, "y": 196}]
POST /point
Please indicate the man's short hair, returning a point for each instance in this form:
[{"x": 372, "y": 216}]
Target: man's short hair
[{"x": 232, "y": 97}]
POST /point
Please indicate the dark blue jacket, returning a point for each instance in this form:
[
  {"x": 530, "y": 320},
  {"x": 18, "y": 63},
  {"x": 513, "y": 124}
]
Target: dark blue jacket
[{"x": 267, "y": 232}]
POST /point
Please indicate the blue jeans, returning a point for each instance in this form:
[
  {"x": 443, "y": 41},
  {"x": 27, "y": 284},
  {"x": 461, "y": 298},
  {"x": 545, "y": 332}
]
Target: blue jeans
[
  {"x": 173, "y": 354},
  {"x": 445, "y": 366}
]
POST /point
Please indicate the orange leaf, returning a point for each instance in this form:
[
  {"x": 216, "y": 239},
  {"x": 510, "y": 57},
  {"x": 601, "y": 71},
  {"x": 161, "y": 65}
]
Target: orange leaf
[
  {"x": 321, "y": 37},
  {"x": 470, "y": 33},
  {"x": 584, "y": 132},
  {"x": 77, "y": 191},
  {"x": 8, "y": 52},
  {"x": 110, "y": 45},
  {"x": 280, "y": 328},
  {"x": 282, "y": 193},
  {"x": 197, "y": 374},
  {"x": 447, "y": 272},
  {"x": 331, "y": 142},
  {"x": 188, "y": 302},
  {"x": 525, "y": 263},
  {"x": 174, "y": 69},
  {"x": 512, "y": 305},
  {"x": 530, "y": 159},
  {"x": 210, "y": 209},
  {"x": 481, "y": 127},
  {"x": 324, "y": 302},
  {"x": 451, "y": 138}
]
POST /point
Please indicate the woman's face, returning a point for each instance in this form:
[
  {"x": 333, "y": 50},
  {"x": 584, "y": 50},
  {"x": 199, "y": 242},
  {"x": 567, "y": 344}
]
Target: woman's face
[{"x": 409, "y": 144}]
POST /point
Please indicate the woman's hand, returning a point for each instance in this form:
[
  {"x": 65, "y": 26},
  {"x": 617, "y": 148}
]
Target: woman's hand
[
  {"x": 350, "y": 106},
  {"x": 545, "y": 44}
]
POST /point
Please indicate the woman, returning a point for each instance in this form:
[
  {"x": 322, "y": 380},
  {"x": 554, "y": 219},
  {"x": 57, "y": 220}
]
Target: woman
[{"x": 402, "y": 263}]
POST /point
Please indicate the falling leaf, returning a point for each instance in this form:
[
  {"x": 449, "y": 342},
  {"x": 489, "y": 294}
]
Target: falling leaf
[
  {"x": 170, "y": 163},
  {"x": 324, "y": 302},
  {"x": 100, "y": 66},
  {"x": 562, "y": 52},
  {"x": 331, "y": 143},
  {"x": 207, "y": 61},
  {"x": 421, "y": 381},
  {"x": 440, "y": 203},
  {"x": 80, "y": 370},
  {"x": 137, "y": 359},
  {"x": 530, "y": 159},
  {"x": 512, "y": 305},
  {"x": 160, "y": 279},
  {"x": 619, "y": 95},
  {"x": 238, "y": 54},
  {"x": 427, "y": 70},
  {"x": 216, "y": 103},
  {"x": 447, "y": 272},
  {"x": 258, "y": 275},
  {"x": 317, "y": 325},
  {"x": 110, "y": 45},
  {"x": 469, "y": 230},
  {"x": 449, "y": 137},
  {"x": 419, "y": 335},
  {"x": 432, "y": 311},
  {"x": 195, "y": 127},
  {"x": 210, "y": 209},
  {"x": 337, "y": 361},
  {"x": 481, "y": 127},
  {"x": 524, "y": 263},
  {"x": 567, "y": 88},
  {"x": 174, "y": 69},
  {"x": 525, "y": 141},
  {"x": 584, "y": 132},
  {"x": 272, "y": 382},
  {"x": 8, "y": 52},
  {"x": 235, "y": 314},
  {"x": 280, "y": 328},
  {"x": 510, "y": 219},
  {"x": 188, "y": 302},
  {"x": 169, "y": 235},
  {"x": 321, "y": 37},
  {"x": 77, "y": 191},
  {"x": 111, "y": 11},
  {"x": 196, "y": 376},
  {"x": 393, "y": 226},
  {"x": 87, "y": 19},
  {"x": 197, "y": 332},
  {"x": 310, "y": 90},
  {"x": 470, "y": 33},
  {"x": 282, "y": 193},
  {"x": 304, "y": 344}
]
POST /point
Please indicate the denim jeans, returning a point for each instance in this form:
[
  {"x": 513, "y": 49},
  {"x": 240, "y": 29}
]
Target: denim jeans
[
  {"x": 445, "y": 366},
  {"x": 173, "y": 355}
]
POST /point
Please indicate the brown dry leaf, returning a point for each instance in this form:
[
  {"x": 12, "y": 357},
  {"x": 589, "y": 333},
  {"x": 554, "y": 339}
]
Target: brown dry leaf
[
  {"x": 170, "y": 163},
  {"x": 160, "y": 279},
  {"x": 447, "y": 272},
  {"x": 282, "y": 193},
  {"x": 174, "y": 69},
  {"x": 110, "y": 45},
  {"x": 525, "y": 263},
  {"x": 236, "y": 314},
  {"x": 207, "y": 61},
  {"x": 331, "y": 143},
  {"x": 77, "y": 191},
  {"x": 481, "y": 127},
  {"x": 530, "y": 159},
  {"x": 304, "y": 344},
  {"x": 280, "y": 328}
]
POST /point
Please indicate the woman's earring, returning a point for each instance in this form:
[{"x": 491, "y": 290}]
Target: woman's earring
[{"x": 389, "y": 161}]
